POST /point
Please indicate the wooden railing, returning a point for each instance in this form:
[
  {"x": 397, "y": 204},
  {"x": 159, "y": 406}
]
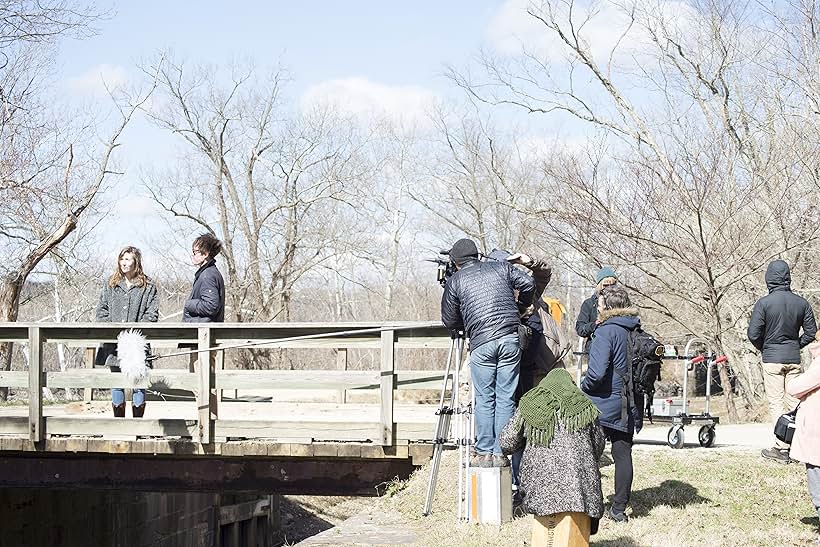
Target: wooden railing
[{"x": 210, "y": 377}]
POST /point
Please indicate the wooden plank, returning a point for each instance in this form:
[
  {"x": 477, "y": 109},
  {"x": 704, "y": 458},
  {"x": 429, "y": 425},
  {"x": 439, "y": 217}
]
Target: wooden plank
[
  {"x": 315, "y": 343},
  {"x": 301, "y": 450},
  {"x": 105, "y": 379},
  {"x": 89, "y": 356},
  {"x": 341, "y": 364},
  {"x": 206, "y": 405},
  {"x": 296, "y": 379},
  {"x": 35, "y": 384},
  {"x": 388, "y": 385},
  {"x": 14, "y": 425},
  {"x": 13, "y": 332},
  {"x": 404, "y": 341},
  {"x": 13, "y": 378},
  {"x": 415, "y": 431},
  {"x": 349, "y": 450},
  {"x": 65, "y": 425},
  {"x": 419, "y": 379},
  {"x": 328, "y": 450},
  {"x": 325, "y": 431},
  {"x": 220, "y": 366},
  {"x": 12, "y": 444},
  {"x": 243, "y": 511}
]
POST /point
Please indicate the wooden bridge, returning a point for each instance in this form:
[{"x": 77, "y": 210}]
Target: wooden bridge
[{"x": 261, "y": 430}]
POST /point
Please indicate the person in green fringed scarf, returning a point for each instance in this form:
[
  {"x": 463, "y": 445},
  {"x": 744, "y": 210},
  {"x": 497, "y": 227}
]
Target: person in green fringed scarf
[{"x": 557, "y": 425}]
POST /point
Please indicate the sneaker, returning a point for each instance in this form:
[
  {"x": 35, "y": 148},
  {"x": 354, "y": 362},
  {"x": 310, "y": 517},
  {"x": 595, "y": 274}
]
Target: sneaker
[
  {"x": 776, "y": 454},
  {"x": 617, "y": 516},
  {"x": 500, "y": 460},
  {"x": 481, "y": 460}
]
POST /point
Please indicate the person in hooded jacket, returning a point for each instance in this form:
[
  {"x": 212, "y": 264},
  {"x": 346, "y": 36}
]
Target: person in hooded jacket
[
  {"x": 775, "y": 330},
  {"x": 606, "y": 385},
  {"x": 206, "y": 303}
]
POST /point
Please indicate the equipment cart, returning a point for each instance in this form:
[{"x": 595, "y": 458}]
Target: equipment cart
[{"x": 677, "y": 413}]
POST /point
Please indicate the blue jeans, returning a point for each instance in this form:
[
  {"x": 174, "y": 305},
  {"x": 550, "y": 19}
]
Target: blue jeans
[
  {"x": 494, "y": 370},
  {"x": 118, "y": 397}
]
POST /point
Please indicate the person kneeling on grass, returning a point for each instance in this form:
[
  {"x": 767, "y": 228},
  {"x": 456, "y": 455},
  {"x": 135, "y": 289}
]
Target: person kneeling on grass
[{"x": 559, "y": 468}]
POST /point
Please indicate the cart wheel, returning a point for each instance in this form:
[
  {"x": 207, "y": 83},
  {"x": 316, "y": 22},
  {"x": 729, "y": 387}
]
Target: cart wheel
[
  {"x": 706, "y": 435},
  {"x": 675, "y": 437}
]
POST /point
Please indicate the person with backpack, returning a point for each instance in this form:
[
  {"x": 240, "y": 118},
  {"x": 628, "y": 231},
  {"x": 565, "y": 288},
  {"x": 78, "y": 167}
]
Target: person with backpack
[
  {"x": 608, "y": 384},
  {"x": 775, "y": 330}
]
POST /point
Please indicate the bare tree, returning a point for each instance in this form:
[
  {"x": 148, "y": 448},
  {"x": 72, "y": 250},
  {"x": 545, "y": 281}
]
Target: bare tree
[
  {"x": 706, "y": 175},
  {"x": 51, "y": 170},
  {"x": 276, "y": 185}
]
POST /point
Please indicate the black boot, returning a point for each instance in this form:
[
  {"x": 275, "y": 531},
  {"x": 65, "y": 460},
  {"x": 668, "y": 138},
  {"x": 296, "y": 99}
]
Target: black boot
[
  {"x": 119, "y": 410},
  {"x": 138, "y": 411}
]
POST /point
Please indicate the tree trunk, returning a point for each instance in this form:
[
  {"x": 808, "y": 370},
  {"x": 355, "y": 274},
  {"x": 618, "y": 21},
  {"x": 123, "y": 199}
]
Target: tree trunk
[{"x": 10, "y": 288}]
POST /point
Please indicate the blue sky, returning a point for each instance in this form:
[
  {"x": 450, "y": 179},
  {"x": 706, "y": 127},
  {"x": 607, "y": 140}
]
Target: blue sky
[
  {"x": 390, "y": 42},
  {"x": 384, "y": 51}
]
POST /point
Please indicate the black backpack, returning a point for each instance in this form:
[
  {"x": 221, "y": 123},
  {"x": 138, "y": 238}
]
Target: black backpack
[{"x": 645, "y": 353}]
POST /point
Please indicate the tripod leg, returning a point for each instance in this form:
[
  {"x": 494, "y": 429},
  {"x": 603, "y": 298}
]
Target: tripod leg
[{"x": 442, "y": 432}]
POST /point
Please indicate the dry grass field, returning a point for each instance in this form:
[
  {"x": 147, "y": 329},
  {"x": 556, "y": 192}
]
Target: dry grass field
[{"x": 689, "y": 497}]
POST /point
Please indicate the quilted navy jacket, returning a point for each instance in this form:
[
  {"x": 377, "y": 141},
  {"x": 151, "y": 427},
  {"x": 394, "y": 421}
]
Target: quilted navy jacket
[
  {"x": 206, "y": 304},
  {"x": 479, "y": 299}
]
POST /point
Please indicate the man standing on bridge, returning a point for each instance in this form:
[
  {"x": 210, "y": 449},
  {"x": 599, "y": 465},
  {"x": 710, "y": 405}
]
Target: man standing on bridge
[{"x": 480, "y": 300}]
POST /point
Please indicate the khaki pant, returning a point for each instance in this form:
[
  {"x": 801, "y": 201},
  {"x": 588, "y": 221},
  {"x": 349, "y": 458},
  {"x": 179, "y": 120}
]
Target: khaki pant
[{"x": 775, "y": 376}]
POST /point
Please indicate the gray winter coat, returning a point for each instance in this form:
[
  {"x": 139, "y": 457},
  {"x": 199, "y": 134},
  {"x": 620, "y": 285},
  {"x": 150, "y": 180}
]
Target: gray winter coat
[
  {"x": 563, "y": 477},
  {"x": 121, "y": 304},
  {"x": 778, "y": 318}
]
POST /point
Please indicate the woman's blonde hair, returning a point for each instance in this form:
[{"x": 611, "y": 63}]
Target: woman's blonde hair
[{"x": 140, "y": 279}]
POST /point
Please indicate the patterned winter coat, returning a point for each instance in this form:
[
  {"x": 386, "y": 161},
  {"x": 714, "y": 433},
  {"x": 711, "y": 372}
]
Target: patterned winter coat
[
  {"x": 563, "y": 477},
  {"x": 122, "y": 304}
]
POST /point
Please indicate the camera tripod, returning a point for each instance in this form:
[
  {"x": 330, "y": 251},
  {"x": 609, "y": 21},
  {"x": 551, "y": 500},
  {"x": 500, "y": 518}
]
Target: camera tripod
[{"x": 462, "y": 432}]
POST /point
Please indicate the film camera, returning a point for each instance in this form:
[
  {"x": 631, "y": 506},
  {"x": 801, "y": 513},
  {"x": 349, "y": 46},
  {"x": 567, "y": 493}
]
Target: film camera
[{"x": 445, "y": 269}]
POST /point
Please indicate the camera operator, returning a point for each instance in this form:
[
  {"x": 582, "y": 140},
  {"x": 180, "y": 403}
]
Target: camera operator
[{"x": 480, "y": 300}]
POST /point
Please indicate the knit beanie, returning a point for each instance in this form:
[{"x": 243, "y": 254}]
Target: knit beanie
[
  {"x": 603, "y": 273},
  {"x": 462, "y": 250}
]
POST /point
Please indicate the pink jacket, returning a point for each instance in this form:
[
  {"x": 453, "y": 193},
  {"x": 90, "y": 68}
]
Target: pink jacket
[{"x": 806, "y": 443}]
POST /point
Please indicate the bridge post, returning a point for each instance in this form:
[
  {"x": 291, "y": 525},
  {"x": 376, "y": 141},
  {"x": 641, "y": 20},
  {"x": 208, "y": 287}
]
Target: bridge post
[
  {"x": 206, "y": 398},
  {"x": 388, "y": 386},
  {"x": 35, "y": 384},
  {"x": 88, "y": 361}
]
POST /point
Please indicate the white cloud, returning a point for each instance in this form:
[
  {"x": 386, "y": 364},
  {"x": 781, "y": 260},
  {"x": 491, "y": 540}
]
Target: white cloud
[
  {"x": 95, "y": 80},
  {"x": 362, "y": 97}
]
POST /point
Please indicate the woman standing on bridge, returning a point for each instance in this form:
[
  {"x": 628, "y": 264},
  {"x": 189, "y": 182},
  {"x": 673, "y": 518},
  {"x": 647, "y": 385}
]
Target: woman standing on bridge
[{"x": 128, "y": 297}]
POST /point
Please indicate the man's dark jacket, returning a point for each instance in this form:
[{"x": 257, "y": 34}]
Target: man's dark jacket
[
  {"x": 604, "y": 382},
  {"x": 585, "y": 324},
  {"x": 479, "y": 299},
  {"x": 206, "y": 304},
  {"x": 778, "y": 317}
]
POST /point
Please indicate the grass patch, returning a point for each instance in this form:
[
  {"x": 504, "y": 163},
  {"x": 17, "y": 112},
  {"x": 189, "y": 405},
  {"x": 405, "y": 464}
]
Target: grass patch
[{"x": 680, "y": 498}]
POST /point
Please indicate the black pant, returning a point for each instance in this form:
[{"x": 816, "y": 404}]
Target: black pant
[{"x": 622, "y": 454}]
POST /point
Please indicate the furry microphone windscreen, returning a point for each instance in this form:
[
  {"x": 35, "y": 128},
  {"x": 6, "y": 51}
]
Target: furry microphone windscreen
[{"x": 131, "y": 355}]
